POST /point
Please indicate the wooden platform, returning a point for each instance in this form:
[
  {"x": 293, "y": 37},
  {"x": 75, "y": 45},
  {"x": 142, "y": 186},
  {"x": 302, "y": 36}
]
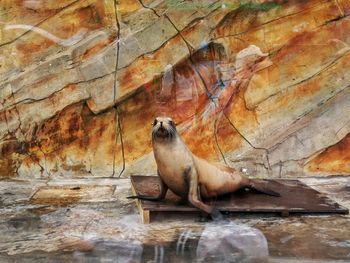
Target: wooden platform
[{"x": 296, "y": 197}]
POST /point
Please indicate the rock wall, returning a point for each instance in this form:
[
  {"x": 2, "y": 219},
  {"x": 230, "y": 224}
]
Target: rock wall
[{"x": 260, "y": 85}]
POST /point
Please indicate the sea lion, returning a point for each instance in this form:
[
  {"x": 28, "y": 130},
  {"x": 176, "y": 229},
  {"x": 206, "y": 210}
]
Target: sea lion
[{"x": 190, "y": 176}]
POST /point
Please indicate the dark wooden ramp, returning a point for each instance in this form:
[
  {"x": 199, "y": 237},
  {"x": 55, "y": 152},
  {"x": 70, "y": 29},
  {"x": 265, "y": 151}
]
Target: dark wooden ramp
[{"x": 296, "y": 197}]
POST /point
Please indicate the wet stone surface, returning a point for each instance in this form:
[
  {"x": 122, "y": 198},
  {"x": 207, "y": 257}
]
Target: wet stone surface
[{"x": 103, "y": 226}]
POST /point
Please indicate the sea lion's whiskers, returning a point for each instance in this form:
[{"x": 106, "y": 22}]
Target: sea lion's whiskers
[
  {"x": 171, "y": 132},
  {"x": 154, "y": 135}
]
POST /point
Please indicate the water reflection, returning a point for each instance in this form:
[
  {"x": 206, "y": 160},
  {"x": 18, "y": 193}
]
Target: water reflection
[
  {"x": 112, "y": 251},
  {"x": 215, "y": 243},
  {"x": 231, "y": 243},
  {"x": 208, "y": 82},
  {"x": 63, "y": 42}
]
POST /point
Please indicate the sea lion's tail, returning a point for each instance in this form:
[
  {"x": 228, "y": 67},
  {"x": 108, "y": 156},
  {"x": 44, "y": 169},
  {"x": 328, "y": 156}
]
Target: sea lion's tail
[{"x": 262, "y": 187}]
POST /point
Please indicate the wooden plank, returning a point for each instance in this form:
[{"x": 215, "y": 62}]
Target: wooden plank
[
  {"x": 296, "y": 197},
  {"x": 145, "y": 214}
]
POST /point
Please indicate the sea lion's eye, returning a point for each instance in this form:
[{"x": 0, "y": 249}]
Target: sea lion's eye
[
  {"x": 172, "y": 123},
  {"x": 155, "y": 122}
]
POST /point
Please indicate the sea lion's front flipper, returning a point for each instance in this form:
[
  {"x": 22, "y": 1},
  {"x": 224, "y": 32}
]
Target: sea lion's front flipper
[
  {"x": 262, "y": 187},
  {"x": 162, "y": 193},
  {"x": 194, "y": 197},
  {"x": 216, "y": 215}
]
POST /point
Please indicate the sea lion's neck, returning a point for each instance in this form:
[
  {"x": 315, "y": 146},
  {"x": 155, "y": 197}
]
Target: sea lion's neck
[
  {"x": 166, "y": 140},
  {"x": 162, "y": 146}
]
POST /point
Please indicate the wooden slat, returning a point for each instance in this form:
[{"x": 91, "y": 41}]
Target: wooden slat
[{"x": 296, "y": 197}]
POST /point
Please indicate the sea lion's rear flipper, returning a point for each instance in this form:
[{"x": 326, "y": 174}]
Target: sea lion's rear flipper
[
  {"x": 217, "y": 216},
  {"x": 262, "y": 187}
]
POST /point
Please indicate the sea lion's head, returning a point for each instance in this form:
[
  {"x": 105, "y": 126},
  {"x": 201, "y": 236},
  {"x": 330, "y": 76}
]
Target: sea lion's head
[{"x": 164, "y": 129}]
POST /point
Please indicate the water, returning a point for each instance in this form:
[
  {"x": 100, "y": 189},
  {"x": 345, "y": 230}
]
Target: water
[
  {"x": 112, "y": 232},
  {"x": 211, "y": 242}
]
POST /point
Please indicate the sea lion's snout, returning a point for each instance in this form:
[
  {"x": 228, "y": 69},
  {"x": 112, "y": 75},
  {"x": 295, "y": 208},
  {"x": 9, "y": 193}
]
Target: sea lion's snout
[{"x": 163, "y": 128}]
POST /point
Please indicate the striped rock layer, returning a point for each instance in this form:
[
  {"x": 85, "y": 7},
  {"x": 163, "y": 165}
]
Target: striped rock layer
[{"x": 262, "y": 86}]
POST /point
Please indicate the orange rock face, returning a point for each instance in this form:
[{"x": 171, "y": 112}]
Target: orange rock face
[
  {"x": 261, "y": 86},
  {"x": 333, "y": 160}
]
